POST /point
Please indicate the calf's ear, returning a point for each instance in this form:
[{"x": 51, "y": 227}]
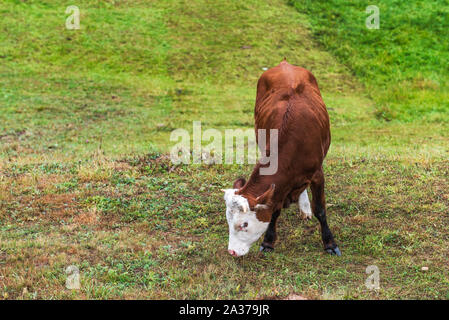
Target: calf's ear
[
  {"x": 227, "y": 195},
  {"x": 239, "y": 183},
  {"x": 267, "y": 196}
]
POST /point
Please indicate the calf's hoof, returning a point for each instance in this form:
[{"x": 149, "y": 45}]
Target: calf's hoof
[
  {"x": 334, "y": 251},
  {"x": 305, "y": 215},
  {"x": 266, "y": 248}
]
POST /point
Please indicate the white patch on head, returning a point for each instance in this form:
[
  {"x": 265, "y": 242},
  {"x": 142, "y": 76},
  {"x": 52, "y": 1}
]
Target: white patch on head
[
  {"x": 304, "y": 205},
  {"x": 244, "y": 227}
]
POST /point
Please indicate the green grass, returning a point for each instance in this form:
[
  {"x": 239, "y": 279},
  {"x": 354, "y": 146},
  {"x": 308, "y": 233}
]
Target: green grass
[
  {"x": 403, "y": 64},
  {"x": 86, "y": 117}
]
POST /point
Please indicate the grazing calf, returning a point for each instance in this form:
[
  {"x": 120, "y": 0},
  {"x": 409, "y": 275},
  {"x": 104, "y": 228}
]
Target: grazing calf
[{"x": 288, "y": 99}]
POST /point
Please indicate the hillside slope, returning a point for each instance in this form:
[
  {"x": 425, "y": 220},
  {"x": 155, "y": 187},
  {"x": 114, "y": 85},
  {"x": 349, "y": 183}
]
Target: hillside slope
[
  {"x": 403, "y": 64},
  {"x": 85, "y": 179}
]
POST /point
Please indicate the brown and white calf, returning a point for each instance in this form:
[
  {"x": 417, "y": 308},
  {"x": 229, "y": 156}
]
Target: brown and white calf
[{"x": 288, "y": 99}]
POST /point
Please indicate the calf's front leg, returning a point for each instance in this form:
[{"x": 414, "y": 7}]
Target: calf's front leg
[{"x": 270, "y": 235}]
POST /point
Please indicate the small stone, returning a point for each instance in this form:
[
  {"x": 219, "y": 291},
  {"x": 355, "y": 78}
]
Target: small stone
[{"x": 294, "y": 296}]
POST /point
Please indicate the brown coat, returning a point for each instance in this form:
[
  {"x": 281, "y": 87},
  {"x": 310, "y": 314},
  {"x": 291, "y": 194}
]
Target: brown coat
[{"x": 288, "y": 99}]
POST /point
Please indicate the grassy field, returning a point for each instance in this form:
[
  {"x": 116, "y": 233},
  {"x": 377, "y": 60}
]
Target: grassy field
[
  {"x": 85, "y": 121},
  {"x": 403, "y": 65}
]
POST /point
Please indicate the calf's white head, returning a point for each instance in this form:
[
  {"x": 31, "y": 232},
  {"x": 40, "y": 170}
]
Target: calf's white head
[{"x": 244, "y": 219}]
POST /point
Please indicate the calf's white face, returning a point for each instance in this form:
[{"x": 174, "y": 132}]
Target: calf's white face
[{"x": 244, "y": 227}]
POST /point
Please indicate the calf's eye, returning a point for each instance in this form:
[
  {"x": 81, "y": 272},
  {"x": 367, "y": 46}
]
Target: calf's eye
[{"x": 241, "y": 227}]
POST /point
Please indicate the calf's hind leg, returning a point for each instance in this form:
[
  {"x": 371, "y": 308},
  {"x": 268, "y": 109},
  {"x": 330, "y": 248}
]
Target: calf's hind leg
[
  {"x": 304, "y": 206},
  {"x": 319, "y": 210}
]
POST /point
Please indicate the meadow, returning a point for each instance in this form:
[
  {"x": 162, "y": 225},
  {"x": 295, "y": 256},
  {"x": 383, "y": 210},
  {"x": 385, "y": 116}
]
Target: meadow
[{"x": 85, "y": 123}]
